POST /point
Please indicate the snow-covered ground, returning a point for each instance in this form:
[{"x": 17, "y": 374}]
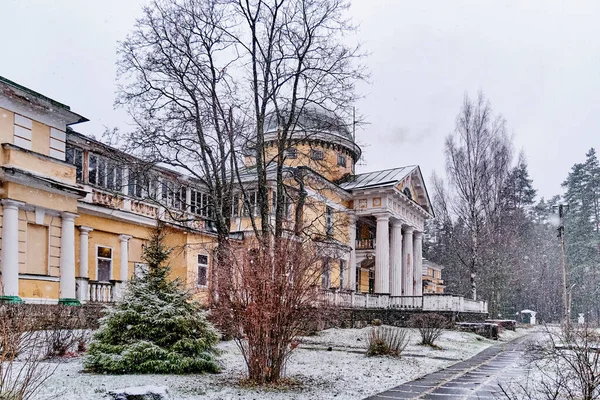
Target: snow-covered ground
[{"x": 342, "y": 373}]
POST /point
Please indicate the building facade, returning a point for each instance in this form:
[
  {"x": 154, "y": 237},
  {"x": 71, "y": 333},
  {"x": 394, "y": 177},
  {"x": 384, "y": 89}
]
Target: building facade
[
  {"x": 432, "y": 278},
  {"x": 75, "y": 213}
]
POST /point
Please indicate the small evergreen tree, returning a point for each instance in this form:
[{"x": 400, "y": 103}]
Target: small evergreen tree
[{"x": 156, "y": 328}]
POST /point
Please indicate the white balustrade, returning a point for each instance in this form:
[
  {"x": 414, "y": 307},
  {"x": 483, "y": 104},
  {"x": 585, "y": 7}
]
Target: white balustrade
[
  {"x": 101, "y": 292},
  {"x": 426, "y": 302}
]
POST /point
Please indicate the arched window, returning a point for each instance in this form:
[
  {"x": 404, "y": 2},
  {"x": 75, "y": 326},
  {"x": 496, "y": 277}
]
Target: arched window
[{"x": 407, "y": 192}]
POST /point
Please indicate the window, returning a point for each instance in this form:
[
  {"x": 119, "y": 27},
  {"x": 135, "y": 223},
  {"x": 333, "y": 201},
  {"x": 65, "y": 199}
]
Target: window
[
  {"x": 140, "y": 270},
  {"x": 104, "y": 263},
  {"x": 371, "y": 281},
  {"x": 92, "y": 169},
  {"x": 250, "y": 203},
  {"x": 173, "y": 195},
  {"x": 105, "y": 173},
  {"x": 325, "y": 274},
  {"x": 74, "y": 157},
  {"x": 235, "y": 206},
  {"x": 202, "y": 270},
  {"x": 328, "y": 221},
  {"x": 316, "y": 154},
  {"x": 141, "y": 185},
  {"x": 292, "y": 152},
  {"x": 342, "y": 274},
  {"x": 200, "y": 205},
  {"x": 342, "y": 160},
  {"x": 287, "y": 205}
]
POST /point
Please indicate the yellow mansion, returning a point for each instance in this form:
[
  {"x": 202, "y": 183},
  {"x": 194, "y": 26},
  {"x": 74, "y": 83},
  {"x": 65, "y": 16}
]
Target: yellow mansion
[{"x": 74, "y": 220}]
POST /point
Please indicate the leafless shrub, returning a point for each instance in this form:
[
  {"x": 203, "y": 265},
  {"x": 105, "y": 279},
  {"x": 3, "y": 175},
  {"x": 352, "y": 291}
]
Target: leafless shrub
[
  {"x": 22, "y": 349},
  {"x": 270, "y": 297},
  {"x": 62, "y": 331},
  {"x": 376, "y": 322},
  {"x": 565, "y": 365},
  {"x": 430, "y": 327},
  {"x": 386, "y": 341}
]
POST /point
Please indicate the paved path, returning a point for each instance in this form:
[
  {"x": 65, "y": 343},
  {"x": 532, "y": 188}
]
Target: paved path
[{"x": 474, "y": 379}]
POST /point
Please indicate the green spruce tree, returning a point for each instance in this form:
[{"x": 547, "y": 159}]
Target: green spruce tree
[
  {"x": 582, "y": 221},
  {"x": 156, "y": 327}
]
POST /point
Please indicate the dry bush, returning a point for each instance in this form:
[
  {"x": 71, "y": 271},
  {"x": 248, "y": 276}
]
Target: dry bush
[
  {"x": 62, "y": 330},
  {"x": 267, "y": 298},
  {"x": 386, "y": 341},
  {"x": 30, "y": 334},
  {"x": 564, "y": 365},
  {"x": 22, "y": 349},
  {"x": 430, "y": 326}
]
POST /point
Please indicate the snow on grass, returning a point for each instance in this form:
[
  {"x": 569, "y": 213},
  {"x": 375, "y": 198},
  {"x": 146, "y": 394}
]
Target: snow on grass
[{"x": 342, "y": 373}]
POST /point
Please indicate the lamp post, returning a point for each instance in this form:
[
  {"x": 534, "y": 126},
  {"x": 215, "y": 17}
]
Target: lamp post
[{"x": 563, "y": 264}]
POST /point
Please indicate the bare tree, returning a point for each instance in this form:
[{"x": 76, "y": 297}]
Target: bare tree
[
  {"x": 478, "y": 155},
  {"x": 175, "y": 86},
  {"x": 205, "y": 82}
]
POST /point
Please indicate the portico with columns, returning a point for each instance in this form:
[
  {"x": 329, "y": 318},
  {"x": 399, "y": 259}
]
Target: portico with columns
[{"x": 386, "y": 232}]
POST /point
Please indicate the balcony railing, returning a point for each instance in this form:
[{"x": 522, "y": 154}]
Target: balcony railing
[
  {"x": 365, "y": 244},
  {"x": 101, "y": 292},
  {"x": 429, "y": 302}
]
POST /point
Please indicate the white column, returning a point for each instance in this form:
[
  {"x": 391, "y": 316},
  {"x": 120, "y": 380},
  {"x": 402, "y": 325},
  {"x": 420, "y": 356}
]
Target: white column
[
  {"x": 10, "y": 249},
  {"x": 67, "y": 258},
  {"x": 407, "y": 261},
  {"x": 83, "y": 281},
  {"x": 382, "y": 255},
  {"x": 418, "y": 263},
  {"x": 396, "y": 259},
  {"x": 352, "y": 261},
  {"x": 83, "y": 251},
  {"x": 124, "y": 271}
]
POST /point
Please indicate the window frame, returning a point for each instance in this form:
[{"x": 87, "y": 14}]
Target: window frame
[
  {"x": 199, "y": 266},
  {"x": 107, "y": 173},
  {"x": 342, "y": 161},
  {"x": 325, "y": 273},
  {"x": 342, "y": 273},
  {"x": 72, "y": 155},
  {"x": 251, "y": 203},
  {"x": 329, "y": 220},
  {"x": 199, "y": 203},
  {"x": 235, "y": 205},
  {"x": 140, "y": 269},
  {"x": 317, "y": 154},
  {"x": 111, "y": 259},
  {"x": 291, "y": 153}
]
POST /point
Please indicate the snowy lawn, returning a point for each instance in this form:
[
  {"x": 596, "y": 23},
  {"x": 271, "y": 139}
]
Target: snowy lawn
[{"x": 342, "y": 373}]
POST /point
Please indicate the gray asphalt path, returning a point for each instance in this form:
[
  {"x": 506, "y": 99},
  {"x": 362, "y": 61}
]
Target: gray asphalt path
[{"x": 474, "y": 379}]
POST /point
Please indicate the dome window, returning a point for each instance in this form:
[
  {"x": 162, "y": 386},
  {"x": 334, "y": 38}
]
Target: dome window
[
  {"x": 341, "y": 160},
  {"x": 292, "y": 152},
  {"x": 316, "y": 154}
]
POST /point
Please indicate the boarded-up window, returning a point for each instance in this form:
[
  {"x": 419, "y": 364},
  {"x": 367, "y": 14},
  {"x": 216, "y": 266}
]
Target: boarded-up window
[{"x": 37, "y": 249}]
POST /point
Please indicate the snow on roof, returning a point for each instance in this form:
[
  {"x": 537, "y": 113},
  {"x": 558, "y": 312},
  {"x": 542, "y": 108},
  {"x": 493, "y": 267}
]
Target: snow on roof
[{"x": 378, "y": 178}]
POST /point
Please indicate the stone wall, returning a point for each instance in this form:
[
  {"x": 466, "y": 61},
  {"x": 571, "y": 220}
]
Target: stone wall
[{"x": 360, "y": 317}]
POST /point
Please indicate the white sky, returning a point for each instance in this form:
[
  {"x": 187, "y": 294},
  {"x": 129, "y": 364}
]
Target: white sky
[{"x": 537, "y": 61}]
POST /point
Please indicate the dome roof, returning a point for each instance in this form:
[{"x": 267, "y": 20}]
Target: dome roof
[{"x": 314, "y": 118}]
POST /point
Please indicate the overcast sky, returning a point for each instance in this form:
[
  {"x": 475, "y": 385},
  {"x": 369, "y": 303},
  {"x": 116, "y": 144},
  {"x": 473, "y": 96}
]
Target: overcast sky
[{"x": 537, "y": 61}]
